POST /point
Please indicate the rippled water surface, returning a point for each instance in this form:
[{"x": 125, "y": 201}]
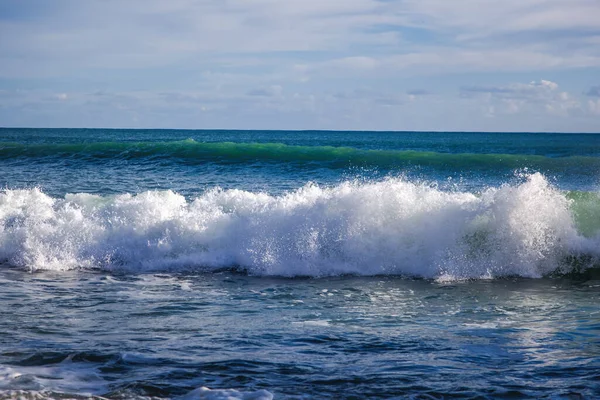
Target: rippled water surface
[
  {"x": 165, "y": 335},
  {"x": 255, "y": 265}
]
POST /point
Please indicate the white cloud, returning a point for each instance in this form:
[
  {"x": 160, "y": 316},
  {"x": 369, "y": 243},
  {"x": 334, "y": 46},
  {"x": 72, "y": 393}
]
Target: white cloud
[
  {"x": 532, "y": 98},
  {"x": 125, "y": 34},
  {"x": 444, "y": 60},
  {"x": 352, "y": 60},
  {"x": 362, "y": 109},
  {"x": 477, "y": 18},
  {"x": 548, "y": 84}
]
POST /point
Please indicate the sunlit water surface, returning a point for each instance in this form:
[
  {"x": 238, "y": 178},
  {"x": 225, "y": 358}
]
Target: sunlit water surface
[{"x": 165, "y": 335}]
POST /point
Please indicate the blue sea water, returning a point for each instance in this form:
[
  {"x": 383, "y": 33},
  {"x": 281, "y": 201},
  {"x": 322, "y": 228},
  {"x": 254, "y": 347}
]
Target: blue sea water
[{"x": 294, "y": 265}]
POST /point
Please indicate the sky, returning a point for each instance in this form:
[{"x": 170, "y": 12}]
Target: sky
[{"x": 433, "y": 65}]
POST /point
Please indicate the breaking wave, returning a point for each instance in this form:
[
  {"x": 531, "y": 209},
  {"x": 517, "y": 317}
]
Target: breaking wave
[{"x": 393, "y": 226}]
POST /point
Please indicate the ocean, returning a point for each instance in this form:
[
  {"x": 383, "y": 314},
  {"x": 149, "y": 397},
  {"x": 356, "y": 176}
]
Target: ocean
[{"x": 212, "y": 264}]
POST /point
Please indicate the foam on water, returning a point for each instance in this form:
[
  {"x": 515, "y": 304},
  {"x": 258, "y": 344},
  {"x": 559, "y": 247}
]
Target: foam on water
[
  {"x": 63, "y": 377},
  {"x": 389, "y": 227},
  {"x": 205, "y": 393},
  {"x": 68, "y": 380}
]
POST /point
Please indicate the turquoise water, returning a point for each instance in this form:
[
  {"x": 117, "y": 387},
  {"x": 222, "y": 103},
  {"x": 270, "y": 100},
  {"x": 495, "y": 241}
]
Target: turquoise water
[
  {"x": 80, "y": 160},
  {"x": 259, "y": 264}
]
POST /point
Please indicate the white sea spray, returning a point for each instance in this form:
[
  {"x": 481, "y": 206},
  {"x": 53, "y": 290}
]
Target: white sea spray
[{"x": 393, "y": 226}]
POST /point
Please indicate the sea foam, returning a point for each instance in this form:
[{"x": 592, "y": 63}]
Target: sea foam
[{"x": 393, "y": 226}]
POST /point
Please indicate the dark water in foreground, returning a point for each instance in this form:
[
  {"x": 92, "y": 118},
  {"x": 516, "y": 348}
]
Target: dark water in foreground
[
  {"x": 258, "y": 265},
  {"x": 164, "y": 335}
]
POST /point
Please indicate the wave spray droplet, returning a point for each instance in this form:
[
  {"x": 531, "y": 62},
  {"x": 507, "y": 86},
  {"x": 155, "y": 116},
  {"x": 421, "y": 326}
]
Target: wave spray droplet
[{"x": 389, "y": 227}]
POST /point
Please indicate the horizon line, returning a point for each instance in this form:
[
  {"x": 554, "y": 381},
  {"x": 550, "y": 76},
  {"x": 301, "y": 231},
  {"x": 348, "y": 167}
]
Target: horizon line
[{"x": 305, "y": 130}]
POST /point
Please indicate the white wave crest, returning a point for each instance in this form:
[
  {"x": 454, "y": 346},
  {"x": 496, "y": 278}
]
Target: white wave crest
[{"x": 388, "y": 227}]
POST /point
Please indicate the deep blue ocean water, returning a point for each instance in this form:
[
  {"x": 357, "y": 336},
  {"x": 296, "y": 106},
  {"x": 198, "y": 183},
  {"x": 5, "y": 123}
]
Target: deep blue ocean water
[{"x": 294, "y": 265}]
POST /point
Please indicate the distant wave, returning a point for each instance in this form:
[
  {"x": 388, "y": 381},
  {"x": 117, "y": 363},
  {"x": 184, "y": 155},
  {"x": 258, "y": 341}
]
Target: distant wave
[
  {"x": 191, "y": 151},
  {"x": 393, "y": 226}
]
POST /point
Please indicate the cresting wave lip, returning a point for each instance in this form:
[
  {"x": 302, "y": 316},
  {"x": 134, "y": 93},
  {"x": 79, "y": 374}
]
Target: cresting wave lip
[
  {"x": 192, "y": 151},
  {"x": 393, "y": 227}
]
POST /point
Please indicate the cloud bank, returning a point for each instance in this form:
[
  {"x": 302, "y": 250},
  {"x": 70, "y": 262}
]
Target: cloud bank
[{"x": 362, "y": 64}]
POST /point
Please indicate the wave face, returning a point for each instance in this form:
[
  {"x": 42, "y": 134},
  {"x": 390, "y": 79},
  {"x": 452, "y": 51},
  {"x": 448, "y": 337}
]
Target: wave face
[
  {"x": 191, "y": 151},
  {"x": 390, "y": 227}
]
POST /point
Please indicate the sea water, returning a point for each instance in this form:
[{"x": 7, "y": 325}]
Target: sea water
[{"x": 267, "y": 264}]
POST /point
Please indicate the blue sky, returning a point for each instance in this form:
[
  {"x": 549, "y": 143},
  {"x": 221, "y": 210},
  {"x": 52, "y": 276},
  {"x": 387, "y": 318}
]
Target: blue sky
[{"x": 475, "y": 65}]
